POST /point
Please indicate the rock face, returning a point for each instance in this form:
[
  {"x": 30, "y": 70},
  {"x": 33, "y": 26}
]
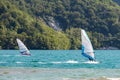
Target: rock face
[
  {"x": 117, "y": 1},
  {"x": 50, "y": 21}
]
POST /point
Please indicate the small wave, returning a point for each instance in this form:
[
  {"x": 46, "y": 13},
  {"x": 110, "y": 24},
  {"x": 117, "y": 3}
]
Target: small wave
[
  {"x": 3, "y": 62},
  {"x": 34, "y": 61},
  {"x": 41, "y": 62},
  {"x": 18, "y": 62},
  {"x": 6, "y": 55},
  {"x": 113, "y": 78},
  {"x": 57, "y": 62},
  {"x": 71, "y": 61},
  {"x": 66, "y": 79},
  {"x": 17, "y": 55}
]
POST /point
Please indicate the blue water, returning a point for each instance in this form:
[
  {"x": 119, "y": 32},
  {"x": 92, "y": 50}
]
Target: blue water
[
  {"x": 58, "y": 65},
  {"x": 109, "y": 59}
]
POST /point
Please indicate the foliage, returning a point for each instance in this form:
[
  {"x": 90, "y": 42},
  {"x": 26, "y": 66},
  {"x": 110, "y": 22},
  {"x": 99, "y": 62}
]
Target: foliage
[{"x": 34, "y": 33}]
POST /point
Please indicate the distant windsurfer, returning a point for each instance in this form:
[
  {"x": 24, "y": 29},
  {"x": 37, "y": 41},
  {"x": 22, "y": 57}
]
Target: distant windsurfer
[
  {"x": 90, "y": 59},
  {"x": 87, "y": 48},
  {"x": 23, "y": 49},
  {"x": 25, "y": 53},
  {"x": 86, "y": 55}
]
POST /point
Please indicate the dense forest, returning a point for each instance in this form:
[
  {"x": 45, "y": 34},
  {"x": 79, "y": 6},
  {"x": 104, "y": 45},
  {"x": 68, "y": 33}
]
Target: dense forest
[{"x": 56, "y": 24}]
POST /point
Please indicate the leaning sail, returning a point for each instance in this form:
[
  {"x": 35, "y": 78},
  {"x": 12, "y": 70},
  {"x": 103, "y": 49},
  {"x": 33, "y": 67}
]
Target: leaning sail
[
  {"x": 23, "y": 49},
  {"x": 87, "y": 48}
]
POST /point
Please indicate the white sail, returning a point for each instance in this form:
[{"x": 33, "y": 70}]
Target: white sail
[
  {"x": 23, "y": 49},
  {"x": 86, "y": 44}
]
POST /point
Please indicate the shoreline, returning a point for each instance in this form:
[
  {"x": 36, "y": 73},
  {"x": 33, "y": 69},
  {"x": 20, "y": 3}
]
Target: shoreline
[{"x": 24, "y": 73}]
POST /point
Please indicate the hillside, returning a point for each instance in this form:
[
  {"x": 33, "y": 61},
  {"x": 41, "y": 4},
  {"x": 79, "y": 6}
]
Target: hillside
[
  {"x": 15, "y": 23},
  {"x": 117, "y": 1},
  {"x": 56, "y": 24}
]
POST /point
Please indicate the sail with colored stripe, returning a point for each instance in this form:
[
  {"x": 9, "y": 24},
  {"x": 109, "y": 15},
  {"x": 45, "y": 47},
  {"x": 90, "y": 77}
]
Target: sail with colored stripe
[
  {"x": 87, "y": 48},
  {"x": 23, "y": 49}
]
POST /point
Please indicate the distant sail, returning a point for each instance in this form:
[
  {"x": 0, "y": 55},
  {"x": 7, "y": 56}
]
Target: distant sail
[
  {"x": 87, "y": 48},
  {"x": 23, "y": 49}
]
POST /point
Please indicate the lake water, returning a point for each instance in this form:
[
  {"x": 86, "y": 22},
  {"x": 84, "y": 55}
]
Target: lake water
[{"x": 58, "y": 65}]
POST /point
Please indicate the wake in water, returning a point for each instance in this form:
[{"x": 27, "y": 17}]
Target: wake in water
[
  {"x": 66, "y": 62},
  {"x": 17, "y": 55},
  {"x": 6, "y": 55},
  {"x": 61, "y": 62},
  {"x": 13, "y": 55},
  {"x": 72, "y": 61},
  {"x": 53, "y": 62},
  {"x": 91, "y": 62}
]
